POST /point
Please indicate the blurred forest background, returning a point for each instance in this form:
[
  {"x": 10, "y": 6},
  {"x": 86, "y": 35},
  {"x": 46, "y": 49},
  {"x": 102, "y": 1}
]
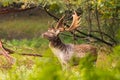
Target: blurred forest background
[{"x": 23, "y": 21}]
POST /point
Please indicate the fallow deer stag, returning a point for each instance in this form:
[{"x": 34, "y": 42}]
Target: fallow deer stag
[{"x": 65, "y": 52}]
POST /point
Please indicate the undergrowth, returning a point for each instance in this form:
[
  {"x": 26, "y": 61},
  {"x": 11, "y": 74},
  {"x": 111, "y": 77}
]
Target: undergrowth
[{"x": 48, "y": 67}]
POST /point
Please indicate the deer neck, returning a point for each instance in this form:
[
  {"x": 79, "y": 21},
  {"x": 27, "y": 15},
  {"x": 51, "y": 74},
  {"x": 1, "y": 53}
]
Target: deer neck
[{"x": 57, "y": 43}]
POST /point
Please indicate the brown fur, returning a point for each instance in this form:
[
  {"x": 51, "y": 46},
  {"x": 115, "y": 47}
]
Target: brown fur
[
  {"x": 64, "y": 52},
  {"x": 85, "y": 48}
]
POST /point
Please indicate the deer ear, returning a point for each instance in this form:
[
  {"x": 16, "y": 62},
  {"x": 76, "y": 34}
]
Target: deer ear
[{"x": 57, "y": 32}]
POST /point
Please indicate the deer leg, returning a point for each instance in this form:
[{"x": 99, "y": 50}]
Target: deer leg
[{"x": 65, "y": 66}]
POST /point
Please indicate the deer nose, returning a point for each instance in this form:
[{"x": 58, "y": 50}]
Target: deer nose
[{"x": 43, "y": 35}]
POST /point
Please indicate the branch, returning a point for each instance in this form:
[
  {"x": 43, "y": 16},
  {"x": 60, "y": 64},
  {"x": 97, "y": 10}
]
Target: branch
[
  {"x": 31, "y": 54},
  {"x": 106, "y": 35},
  {"x": 11, "y": 10},
  {"x": 98, "y": 22},
  {"x": 9, "y": 51},
  {"x": 89, "y": 18},
  {"x": 90, "y": 35},
  {"x": 53, "y": 16},
  {"x": 110, "y": 44}
]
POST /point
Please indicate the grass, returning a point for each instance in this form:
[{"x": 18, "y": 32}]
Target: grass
[
  {"x": 26, "y": 33},
  {"x": 18, "y": 28},
  {"x": 49, "y": 68}
]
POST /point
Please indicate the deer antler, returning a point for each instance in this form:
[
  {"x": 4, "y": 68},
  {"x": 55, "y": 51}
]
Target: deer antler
[
  {"x": 60, "y": 23},
  {"x": 75, "y": 22}
]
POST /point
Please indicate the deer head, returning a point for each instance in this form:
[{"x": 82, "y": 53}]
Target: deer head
[{"x": 53, "y": 32}]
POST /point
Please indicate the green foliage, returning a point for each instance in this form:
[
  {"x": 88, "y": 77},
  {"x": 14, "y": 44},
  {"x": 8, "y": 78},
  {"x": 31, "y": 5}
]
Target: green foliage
[
  {"x": 99, "y": 17},
  {"x": 48, "y": 67},
  {"x": 23, "y": 27}
]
